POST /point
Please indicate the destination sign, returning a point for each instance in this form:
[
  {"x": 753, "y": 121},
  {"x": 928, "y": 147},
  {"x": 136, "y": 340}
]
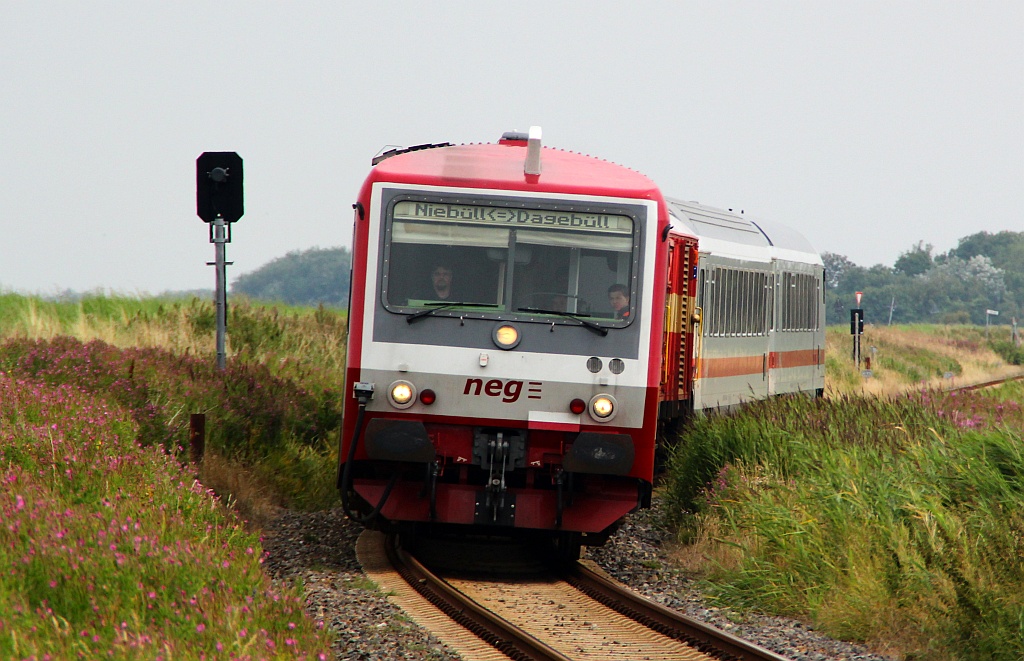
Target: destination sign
[{"x": 506, "y": 217}]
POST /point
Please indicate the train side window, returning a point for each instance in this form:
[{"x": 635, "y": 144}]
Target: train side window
[
  {"x": 709, "y": 303},
  {"x": 716, "y": 303},
  {"x": 801, "y": 297},
  {"x": 747, "y": 303},
  {"x": 741, "y": 296},
  {"x": 730, "y": 293},
  {"x": 756, "y": 294},
  {"x": 801, "y": 307},
  {"x": 787, "y": 301},
  {"x": 762, "y": 303},
  {"x": 737, "y": 298},
  {"x": 783, "y": 301},
  {"x": 741, "y": 303},
  {"x": 725, "y": 298},
  {"x": 798, "y": 300},
  {"x": 723, "y": 303}
]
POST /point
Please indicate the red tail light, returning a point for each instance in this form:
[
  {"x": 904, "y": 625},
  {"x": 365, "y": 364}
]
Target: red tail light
[
  {"x": 577, "y": 406},
  {"x": 428, "y": 397}
]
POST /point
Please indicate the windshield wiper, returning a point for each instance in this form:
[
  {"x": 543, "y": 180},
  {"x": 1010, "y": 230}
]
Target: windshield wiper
[
  {"x": 601, "y": 330},
  {"x": 434, "y": 307}
]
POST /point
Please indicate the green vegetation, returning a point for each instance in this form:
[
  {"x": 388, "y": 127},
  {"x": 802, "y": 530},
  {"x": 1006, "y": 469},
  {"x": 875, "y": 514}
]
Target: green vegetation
[
  {"x": 301, "y": 343},
  {"x": 912, "y": 357},
  {"x": 312, "y": 277},
  {"x": 116, "y": 551},
  {"x": 985, "y": 271},
  {"x": 895, "y": 522},
  {"x": 109, "y": 548}
]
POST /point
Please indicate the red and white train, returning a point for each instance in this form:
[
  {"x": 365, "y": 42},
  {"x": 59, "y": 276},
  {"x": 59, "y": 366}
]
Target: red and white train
[{"x": 491, "y": 383}]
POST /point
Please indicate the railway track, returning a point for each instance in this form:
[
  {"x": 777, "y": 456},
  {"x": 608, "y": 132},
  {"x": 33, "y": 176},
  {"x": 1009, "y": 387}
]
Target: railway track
[
  {"x": 986, "y": 384},
  {"x": 527, "y": 612}
]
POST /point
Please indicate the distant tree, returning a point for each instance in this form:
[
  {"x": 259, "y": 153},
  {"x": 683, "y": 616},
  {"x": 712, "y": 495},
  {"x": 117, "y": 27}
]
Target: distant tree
[
  {"x": 915, "y": 261},
  {"x": 959, "y": 287},
  {"x": 985, "y": 271},
  {"x": 310, "y": 277},
  {"x": 1005, "y": 249},
  {"x": 835, "y": 267},
  {"x": 862, "y": 279}
]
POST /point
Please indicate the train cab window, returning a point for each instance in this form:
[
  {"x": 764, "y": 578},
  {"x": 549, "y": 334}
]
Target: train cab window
[{"x": 527, "y": 263}]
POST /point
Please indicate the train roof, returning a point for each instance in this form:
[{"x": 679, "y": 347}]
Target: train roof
[
  {"x": 501, "y": 165},
  {"x": 735, "y": 235}
]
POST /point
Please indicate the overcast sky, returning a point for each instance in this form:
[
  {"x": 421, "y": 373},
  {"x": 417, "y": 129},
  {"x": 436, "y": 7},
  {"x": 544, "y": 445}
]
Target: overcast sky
[{"x": 867, "y": 126}]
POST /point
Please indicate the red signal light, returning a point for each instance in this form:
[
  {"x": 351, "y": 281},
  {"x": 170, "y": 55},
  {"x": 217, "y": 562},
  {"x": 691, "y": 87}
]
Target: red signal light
[
  {"x": 577, "y": 406},
  {"x": 428, "y": 397}
]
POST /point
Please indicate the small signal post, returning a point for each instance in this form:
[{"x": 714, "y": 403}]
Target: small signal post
[
  {"x": 219, "y": 202},
  {"x": 857, "y": 328}
]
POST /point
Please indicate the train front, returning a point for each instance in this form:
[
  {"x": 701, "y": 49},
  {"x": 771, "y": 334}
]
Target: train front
[{"x": 504, "y": 347}]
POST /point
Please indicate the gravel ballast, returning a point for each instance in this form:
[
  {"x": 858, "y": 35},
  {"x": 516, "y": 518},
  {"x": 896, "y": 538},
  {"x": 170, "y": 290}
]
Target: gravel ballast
[{"x": 318, "y": 549}]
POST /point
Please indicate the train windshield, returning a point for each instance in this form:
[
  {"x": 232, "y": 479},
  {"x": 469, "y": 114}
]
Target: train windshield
[{"x": 510, "y": 261}]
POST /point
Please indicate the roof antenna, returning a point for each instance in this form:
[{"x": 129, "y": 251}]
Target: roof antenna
[{"x": 533, "y": 151}]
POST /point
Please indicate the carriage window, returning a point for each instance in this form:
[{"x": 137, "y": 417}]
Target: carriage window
[
  {"x": 799, "y": 302},
  {"x": 508, "y": 258},
  {"x": 735, "y": 302}
]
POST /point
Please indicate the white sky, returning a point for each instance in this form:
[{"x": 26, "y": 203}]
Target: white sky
[{"x": 867, "y": 126}]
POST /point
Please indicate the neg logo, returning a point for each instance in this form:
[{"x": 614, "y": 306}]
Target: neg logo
[{"x": 509, "y": 391}]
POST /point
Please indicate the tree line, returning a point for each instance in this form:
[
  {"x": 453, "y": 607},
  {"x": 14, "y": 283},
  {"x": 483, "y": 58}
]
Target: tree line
[
  {"x": 984, "y": 272},
  {"x": 318, "y": 276}
]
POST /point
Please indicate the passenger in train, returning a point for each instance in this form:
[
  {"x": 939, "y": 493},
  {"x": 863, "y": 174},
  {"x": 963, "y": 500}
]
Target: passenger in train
[
  {"x": 618, "y": 297},
  {"x": 441, "y": 283}
]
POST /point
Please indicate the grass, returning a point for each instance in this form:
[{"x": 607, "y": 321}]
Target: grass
[
  {"x": 894, "y": 522},
  {"x": 303, "y": 343},
  {"x": 114, "y": 549},
  {"x": 887, "y": 512},
  {"x": 909, "y": 358},
  {"x": 279, "y": 355},
  {"x": 111, "y": 549}
]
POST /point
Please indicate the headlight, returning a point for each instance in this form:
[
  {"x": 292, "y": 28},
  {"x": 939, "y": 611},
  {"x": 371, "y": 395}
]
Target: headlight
[
  {"x": 602, "y": 407},
  {"x": 505, "y": 336},
  {"x": 401, "y": 394}
]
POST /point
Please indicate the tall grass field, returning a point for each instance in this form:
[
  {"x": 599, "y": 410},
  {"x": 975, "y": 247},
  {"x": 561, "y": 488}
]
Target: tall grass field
[
  {"x": 896, "y": 522},
  {"x": 110, "y": 546},
  {"x": 888, "y": 512}
]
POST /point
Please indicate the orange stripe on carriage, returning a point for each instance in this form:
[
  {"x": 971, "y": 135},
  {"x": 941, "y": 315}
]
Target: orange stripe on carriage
[{"x": 747, "y": 365}]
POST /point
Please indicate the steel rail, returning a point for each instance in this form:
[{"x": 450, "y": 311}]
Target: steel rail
[
  {"x": 986, "y": 384},
  {"x": 704, "y": 637},
  {"x": 504, "y": 636}
]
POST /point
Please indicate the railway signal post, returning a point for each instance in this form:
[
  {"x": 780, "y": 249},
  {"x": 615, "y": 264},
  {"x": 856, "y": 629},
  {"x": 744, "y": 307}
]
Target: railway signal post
[
  {"x": 857, "y": 328},
  {"x": 219, "y": 202}
]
